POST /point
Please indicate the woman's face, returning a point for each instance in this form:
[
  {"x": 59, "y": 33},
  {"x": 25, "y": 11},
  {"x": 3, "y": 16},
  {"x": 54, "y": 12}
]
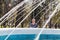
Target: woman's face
[{"x": 33, "y": 20}]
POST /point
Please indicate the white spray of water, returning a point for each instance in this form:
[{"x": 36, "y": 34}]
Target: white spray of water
[
  {"x": 38, "y": 36},
  {"x": 24, "y": 19},
  {"x": 12, "y": 11}
]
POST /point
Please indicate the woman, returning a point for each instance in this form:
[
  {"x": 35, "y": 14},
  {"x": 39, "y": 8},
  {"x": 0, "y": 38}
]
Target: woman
[{"x": 33, "y": 24}]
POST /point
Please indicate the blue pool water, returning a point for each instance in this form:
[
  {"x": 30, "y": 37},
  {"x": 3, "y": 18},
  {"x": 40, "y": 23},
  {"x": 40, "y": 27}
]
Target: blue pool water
[
  {"x": 19, "y": 37},
  {"x": 31, "y": 37},
  {"x": 49, "y": 37}
]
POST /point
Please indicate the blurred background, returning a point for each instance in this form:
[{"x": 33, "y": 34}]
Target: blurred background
[{"x": 41, "y": 13}]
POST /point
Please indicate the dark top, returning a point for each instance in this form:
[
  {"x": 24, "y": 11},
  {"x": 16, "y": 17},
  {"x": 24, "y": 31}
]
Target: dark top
[{"x": 33, "y": 26}]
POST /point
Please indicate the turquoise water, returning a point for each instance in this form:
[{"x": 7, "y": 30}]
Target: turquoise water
[
  {"x": 50, "y": 37},
  {"x": 31, "y": 37},
  {"x": 19, "y": 37}
]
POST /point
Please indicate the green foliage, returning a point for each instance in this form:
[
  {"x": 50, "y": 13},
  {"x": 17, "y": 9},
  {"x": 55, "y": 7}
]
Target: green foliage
[{"x": 56, "y": 17}]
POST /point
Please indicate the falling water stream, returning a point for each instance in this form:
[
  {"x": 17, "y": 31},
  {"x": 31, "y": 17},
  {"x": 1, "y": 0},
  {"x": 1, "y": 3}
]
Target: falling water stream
[{"x": 47, "y": 21}]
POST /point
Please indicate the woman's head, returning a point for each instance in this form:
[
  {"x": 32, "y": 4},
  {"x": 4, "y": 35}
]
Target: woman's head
[{"x": 33, "y": 20}]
